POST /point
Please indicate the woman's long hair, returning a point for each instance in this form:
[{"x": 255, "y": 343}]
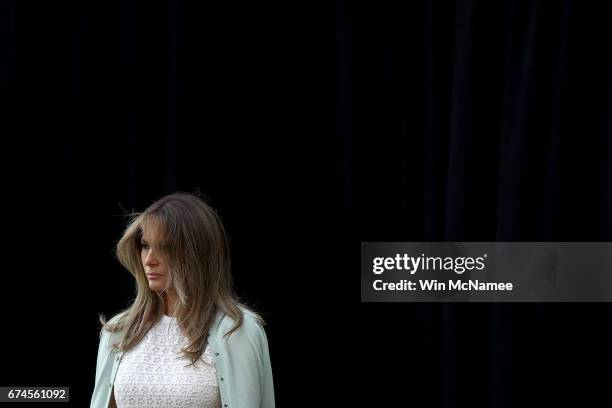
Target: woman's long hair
[{"x": 196, "y": 247}]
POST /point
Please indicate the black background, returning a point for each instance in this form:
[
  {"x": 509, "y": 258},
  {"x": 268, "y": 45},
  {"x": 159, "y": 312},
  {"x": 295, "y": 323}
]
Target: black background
[{"x": 312, "y": 127}]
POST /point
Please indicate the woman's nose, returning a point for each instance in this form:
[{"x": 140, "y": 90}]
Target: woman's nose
[{"x": 150, "y": 259}]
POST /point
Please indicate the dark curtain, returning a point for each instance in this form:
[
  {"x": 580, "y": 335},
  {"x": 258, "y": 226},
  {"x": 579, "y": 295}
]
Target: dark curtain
[
  {"x": 312, "y": 127},
  {"x": 478, "y": 121},
  {"x": 107, "y": 106}
]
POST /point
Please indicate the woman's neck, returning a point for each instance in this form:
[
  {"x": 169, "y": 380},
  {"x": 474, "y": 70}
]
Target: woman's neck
[{"x": 170, "y": 301}]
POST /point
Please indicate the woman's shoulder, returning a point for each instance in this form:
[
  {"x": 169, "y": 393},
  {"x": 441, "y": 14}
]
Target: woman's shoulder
[
  {"x": 248, "y": 316},
  {"x": 115, "y": 318},
  {"x": 106, "y": 333},
  {"x": 252, "y": 323}
]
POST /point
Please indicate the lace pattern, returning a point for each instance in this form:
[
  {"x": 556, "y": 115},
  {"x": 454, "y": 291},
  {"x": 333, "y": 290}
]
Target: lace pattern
[{"x": 153, "y": 374}]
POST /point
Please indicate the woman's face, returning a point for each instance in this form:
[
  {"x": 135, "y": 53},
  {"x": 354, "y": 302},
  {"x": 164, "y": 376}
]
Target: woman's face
[{"x": 153, "y": 262}]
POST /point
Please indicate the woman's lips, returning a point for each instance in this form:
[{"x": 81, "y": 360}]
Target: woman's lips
[{"x": 153, "y": 276}]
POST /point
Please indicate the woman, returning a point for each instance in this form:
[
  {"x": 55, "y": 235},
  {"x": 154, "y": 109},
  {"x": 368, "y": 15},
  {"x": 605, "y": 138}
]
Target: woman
[{"x": 186, "y": 340}]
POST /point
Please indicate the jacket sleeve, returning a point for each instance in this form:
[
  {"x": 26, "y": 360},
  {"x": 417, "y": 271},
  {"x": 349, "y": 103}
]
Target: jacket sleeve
[
  {"x": 248, "y": 362},
  {"x": 103, "y": 369}
]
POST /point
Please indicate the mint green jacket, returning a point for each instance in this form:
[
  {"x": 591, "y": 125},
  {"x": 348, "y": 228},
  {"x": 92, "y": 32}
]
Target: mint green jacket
[{"x": 244, "y": 372}]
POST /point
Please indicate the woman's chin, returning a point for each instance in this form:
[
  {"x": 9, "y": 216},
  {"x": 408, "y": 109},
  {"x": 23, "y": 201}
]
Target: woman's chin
[{"x": 155, "y": 286}]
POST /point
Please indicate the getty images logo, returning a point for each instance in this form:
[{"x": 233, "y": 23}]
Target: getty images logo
[{"x": 412, "y": 264}]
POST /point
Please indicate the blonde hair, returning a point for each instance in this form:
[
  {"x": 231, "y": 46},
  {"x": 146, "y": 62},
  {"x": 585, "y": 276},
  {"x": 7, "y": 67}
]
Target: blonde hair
[{"x": 199, "y": 270}]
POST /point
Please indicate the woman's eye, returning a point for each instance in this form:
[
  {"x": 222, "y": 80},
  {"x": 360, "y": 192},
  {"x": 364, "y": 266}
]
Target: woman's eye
[{"x": 144, "y": 246}]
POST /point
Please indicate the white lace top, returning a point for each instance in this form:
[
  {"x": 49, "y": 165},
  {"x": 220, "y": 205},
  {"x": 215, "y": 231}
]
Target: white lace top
[{"x": 153, "y": 375}]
